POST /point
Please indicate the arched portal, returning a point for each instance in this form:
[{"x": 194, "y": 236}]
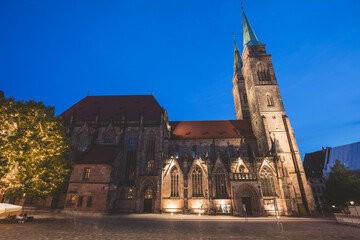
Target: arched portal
[
  {"x": 148, "y": 199},
  {"x": 247, "y": 200}
]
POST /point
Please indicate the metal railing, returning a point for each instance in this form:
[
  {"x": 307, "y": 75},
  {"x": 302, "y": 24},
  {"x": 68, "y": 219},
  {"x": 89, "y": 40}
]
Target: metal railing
[
  {"x": 347, "y": 219},
  {"x": 243, "y": 176}
]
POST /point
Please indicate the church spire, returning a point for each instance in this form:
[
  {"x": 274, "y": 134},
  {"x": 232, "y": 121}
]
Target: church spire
[
  {"x": 250, "y": 38},
  {"x": 238, "y": 63}
]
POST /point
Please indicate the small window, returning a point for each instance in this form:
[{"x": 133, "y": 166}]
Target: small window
[
  {"x": 89, "y": 202},
  {"x": 80, "y": 201},
  {"x": 241, "y": 169},
  {"x": 269, "y": 101},
  {"x": 212, "y": 151},
  {"x": 177, "y": 151},
  {"x": 130, "y": 193},
  {"x": 86, "y": 174},
  {"x": 194, "y": 151},
  {"x": 231, "y": 150}
]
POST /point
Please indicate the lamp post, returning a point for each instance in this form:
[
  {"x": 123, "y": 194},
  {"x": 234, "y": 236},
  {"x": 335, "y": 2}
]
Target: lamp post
[
  {"x": 320, "y": 203},
  {"x": 278, "y": 218}
]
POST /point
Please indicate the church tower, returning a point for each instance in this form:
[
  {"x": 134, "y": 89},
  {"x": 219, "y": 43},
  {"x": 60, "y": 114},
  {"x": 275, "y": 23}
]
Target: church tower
[
  {"x": 239, "y": 91},
  {"x": 269, "y": 122}
]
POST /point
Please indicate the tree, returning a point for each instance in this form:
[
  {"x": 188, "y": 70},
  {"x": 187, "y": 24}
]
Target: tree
[
  {"x": 342, "y": 186},
  {"x": 33, "y": 146}
]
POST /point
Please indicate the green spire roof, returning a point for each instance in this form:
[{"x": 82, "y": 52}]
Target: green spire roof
[
  {"x": 250, "y": 38},
  {"x": 238, "y": 63}
]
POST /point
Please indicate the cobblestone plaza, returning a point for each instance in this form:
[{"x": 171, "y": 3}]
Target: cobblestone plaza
[{"x": 156, "y": 226}]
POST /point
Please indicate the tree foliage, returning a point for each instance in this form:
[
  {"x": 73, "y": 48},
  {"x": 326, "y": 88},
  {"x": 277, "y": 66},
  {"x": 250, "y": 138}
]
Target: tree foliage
[
  {"x": 33, "y": 146},
  {"x": 342, "y": 186}
]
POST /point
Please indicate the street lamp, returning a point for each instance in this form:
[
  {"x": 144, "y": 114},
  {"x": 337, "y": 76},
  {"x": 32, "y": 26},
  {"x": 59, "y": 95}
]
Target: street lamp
[{"x": 352, "y": 202}]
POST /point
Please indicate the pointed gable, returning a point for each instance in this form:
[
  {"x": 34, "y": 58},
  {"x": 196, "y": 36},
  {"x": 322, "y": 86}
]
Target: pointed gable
[{"x": 113, "y": 107}]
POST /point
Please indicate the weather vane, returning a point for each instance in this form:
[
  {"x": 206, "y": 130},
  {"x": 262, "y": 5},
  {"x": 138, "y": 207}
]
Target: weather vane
[
  {"x": 242, "y": 7},
  {"x": 233, "y": 35}
]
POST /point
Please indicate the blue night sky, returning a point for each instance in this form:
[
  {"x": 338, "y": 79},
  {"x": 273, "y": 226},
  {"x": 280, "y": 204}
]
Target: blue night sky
[{"x": 57, "y": 51}]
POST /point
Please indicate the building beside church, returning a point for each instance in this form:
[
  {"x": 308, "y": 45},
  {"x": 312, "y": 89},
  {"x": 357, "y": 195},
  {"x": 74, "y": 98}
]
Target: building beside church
[
  {"x": 130, "y": 158},
  {"x": 314, "y": 165},
  {"x": 318, "y": 166}
]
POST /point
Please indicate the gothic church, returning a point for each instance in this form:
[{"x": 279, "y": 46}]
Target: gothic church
[{"x": 129, "y": 158}]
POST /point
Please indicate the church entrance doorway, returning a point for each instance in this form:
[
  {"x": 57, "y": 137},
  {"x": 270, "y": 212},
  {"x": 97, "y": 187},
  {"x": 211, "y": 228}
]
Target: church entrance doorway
[
  {"x": 246, "y": 201},
  {"x": 148, "y": 199}
]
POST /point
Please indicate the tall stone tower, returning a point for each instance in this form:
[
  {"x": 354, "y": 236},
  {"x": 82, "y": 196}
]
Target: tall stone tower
[
  {"x": 264, "y": 106},
  {"x": 239, "y": 91}
]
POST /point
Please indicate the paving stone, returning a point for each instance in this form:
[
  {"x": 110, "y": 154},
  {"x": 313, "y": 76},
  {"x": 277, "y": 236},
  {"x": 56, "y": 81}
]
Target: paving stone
[{"x": 163, "y": 226}]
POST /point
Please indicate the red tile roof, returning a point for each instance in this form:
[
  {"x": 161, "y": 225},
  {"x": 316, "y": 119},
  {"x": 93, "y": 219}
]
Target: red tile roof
[
  {"x": 99, "y": 155},
  {"x": 211, "y": 129},
  {"x": 112, "y": 107}
]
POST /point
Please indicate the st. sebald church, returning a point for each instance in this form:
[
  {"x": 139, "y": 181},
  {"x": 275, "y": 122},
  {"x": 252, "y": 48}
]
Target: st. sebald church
[{"x": 129, "y": 158}]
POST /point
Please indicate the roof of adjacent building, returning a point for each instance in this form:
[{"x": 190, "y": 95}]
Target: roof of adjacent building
[
  {"x": 113, "y": 107},
  {"x": 99, "y": 154},
  {"x": 314, "y": 163},
  {"x": 211, "y": 129}
]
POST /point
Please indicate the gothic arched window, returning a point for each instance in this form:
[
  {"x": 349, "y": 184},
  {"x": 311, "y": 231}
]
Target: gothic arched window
[
  {"x": 175, "y": 182},
  {"x": 269, "y": 100},
  {"x": 131, "y": 157},
  {"x": 267, "y": 180},
  {"x": 263, "y": 73},
  {"x": 109, "y": 137},
  {"x": 196, "y": 182},
  {"x": 220, "y": 183},
  {"x": 241, "y": 169},
  {"x": 83, "y": 141},
  {"x": 150, "y": 154}
]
